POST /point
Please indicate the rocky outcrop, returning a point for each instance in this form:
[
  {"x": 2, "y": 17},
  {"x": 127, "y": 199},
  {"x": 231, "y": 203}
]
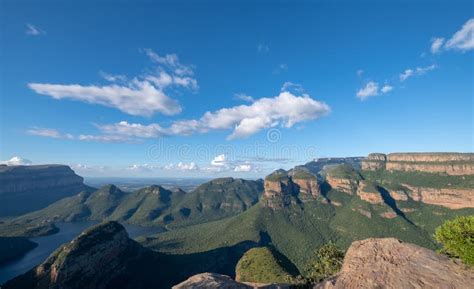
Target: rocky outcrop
[
  {"x": 28, "y": 188},
  {"x": 390, "y": 263},
  {"x": 101, "y": 257},
  {"x": 444, "y": 163},
  {"x": 446, "y": 197},
  {"x": 218, "y": 281},
  {"x": 282, "y": 188},
  {"x": 369, "y": 193},
  {"x": 345, "y": 185},
  {"x": 211, "y": 281}
]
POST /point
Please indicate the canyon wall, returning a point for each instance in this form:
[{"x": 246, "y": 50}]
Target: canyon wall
[
  {"x": 27, "y": 188},
  {"x": 455, "y": 164}
]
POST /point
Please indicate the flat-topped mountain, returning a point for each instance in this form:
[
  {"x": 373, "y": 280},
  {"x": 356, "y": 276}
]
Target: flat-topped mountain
[
  {"x": 446, "y": 163},
  {"x": 27, "y": 188}
]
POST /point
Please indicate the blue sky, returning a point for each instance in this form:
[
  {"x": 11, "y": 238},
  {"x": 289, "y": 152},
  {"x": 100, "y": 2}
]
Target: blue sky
[{"x": 148, "y": 88}]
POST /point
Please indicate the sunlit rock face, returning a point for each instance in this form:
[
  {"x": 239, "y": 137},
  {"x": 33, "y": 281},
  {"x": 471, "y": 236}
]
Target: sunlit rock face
[
  {"x": 390, "y": 263},
  {"x": 284, "y": 188}
]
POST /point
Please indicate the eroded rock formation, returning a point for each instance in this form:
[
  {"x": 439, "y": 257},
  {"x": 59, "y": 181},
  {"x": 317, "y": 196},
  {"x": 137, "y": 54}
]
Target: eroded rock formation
[
  {"x": 283, "y": 188},
  {"x": 390, "y": 263},
  {"x": 446, "y": 197}
]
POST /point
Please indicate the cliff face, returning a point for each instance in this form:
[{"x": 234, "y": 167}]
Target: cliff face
[
  {"x": 345, "y": 185},
  {"x": 390, "y": 263},
  {"x": 28, "y": 188},
  {"x": 282, "y": 188},
  {"x": 369, "y": 193},
  {"x": 446, "y": 197},
  {"x": 446, "y": 163}
]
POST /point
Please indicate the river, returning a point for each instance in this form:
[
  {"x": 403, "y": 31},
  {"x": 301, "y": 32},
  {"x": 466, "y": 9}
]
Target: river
[{"x": 47, "y": 245}]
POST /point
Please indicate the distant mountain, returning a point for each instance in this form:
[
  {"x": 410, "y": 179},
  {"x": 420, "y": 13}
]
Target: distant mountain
[
  {"x": 317, "y": 166},
  {"x": 25, "y": 189},
  {"x": 150, "y": 206}
]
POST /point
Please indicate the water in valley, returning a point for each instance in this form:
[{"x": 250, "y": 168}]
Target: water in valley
[{"x": 47, "y": 245}]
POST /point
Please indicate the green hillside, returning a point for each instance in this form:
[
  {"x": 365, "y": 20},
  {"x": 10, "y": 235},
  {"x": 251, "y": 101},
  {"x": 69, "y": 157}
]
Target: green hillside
[
  {"x": 297, "y": 230},
  {"x": 150, "y": 206},
  {"x": 265, "y": 265}
]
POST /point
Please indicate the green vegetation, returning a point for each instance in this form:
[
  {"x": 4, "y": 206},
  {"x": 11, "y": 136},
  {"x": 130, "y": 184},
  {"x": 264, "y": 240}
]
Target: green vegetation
[
  {"x": 278, "y": 176},
  {"x": 326, "y": 261},
  {"x": 14, "y": 247},
  {"x": 419, "y": 179},
  {"x": 151, "y": 206},
  {"x": 457, "y": 237},
  {"x": 265, "y": 265},
  {"x": 302, "y": 174},
  {"x": 343, "y": 171}
]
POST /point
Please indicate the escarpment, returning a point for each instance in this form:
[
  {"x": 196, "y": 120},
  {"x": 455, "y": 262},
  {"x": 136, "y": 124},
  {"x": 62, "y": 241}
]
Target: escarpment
[
  {"x": 446, "y": 163},
  {"x": 28, "y": 188},
  {"x": 282, "y": 188}
]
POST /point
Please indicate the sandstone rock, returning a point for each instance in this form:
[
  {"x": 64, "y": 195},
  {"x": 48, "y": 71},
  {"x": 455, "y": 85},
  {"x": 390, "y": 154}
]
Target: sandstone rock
[
  {"x": 390, "y": 263},
  {"x": 445, "y": 163},
  {"x": 398, "y": 195},
  {"x": 368, "y": 193},
  {"x": 282, "y": 188},
  {"x": 218, "y": 281},
  {"x": 388, "y": 215},
  {"x": 449, "y": 198},
  {"x": 344, "y": 185}
]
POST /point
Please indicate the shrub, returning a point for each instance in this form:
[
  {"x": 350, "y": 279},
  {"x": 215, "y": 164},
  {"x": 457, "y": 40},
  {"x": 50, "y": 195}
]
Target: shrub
[
  {"x": 457, "y": 238},
  {"x": 327, "y": 261}
]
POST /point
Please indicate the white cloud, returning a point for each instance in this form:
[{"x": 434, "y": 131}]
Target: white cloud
[
  {"x": 463, "y": 39},
  {"x": 47, "y": 132},
  {"x": 360, "y": 72},
  {"x": 142, "y": 167},
  {"x": 436, "y": 44},
  {"x": 416, "y": 72},
  {"x": 292, "y": 87},
  {"x": 16, "y": 161},
  {"x": 386, "y": 88},
  {"x": 243, "y": 168},
  {"x": 244, "y": 97},
  {"x": 143, "y": 95},
  {"x": 370, "y": 89},
  {"x": 182, "y": 166},
  {"x": 34, "y": 30},
  {"x": 285, "y": 109},
  {"x": 219, "y": 161}
]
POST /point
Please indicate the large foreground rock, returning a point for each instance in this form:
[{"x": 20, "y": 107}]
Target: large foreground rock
[
  {"x": 218, "y": 281},
  {"x": 390, "y": 263}
]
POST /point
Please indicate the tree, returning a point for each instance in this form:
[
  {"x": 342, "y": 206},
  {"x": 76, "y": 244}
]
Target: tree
[
  {"x": 327, "y": 261},
  {"x": 457, "y": 238}
]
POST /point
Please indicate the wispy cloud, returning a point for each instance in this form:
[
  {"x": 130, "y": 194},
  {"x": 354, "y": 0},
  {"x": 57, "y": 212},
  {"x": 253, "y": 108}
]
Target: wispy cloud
[
  {"x": 280, "y": 68},
  {"x": 34, "y": 30},
  {"x": 436, "y": 45},
  {"x": 284, "y": 110},
  {"x": 416, "y": 72},
  {"x": 143, "y": 95},
  {"x": 371, "y": 89},
  {"x": 461, "y": 40},
  {"x": 47, "y": 132},
  {"x": 244, "y": 97}
]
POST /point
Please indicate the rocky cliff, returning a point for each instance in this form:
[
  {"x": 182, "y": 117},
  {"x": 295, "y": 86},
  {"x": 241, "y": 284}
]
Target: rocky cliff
[
  {"x": 28, "y": 188},
  {"x": 282, "y": 188},
  {"x": 390, "y": 263},
  {"x": 445, "y": 163},
  {"x": 101, "y": 257}
]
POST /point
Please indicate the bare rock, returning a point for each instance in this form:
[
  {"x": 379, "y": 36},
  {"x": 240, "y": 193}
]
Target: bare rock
[{"x": 390, "y": 263}]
